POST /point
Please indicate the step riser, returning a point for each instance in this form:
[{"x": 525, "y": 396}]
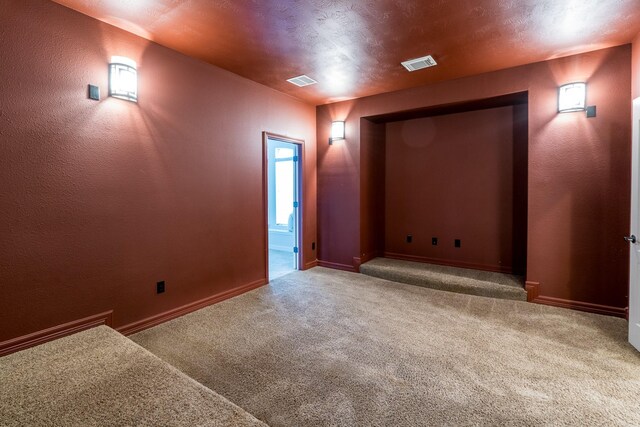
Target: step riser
[{"x": 450, "y": 283}]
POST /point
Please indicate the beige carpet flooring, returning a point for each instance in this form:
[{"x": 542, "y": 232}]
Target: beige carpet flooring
[
  {"x": 444, "y": 278},
  {"x": 324, "y": 347},
  {"x": 100, "y": 378}
]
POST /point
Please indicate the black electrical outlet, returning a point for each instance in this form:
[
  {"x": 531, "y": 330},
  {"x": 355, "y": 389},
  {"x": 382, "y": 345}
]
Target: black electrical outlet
[
  {"x": 160, "y": 287},
  {"x": 94, "y": 92},
  {"x": 456, "y": 243},
  {"x": 313, "y": 246},
  {"x": 409, "y": 238},
  {"x": 434, "y": 241}
]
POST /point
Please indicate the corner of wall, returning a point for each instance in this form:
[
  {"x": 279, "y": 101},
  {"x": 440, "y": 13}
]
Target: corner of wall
[{"x": 635, "y": 67}]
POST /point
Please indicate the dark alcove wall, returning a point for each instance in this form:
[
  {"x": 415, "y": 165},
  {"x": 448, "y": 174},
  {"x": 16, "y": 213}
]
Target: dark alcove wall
[
  {"x": 372, "y": 190},
  {"x": 455, "y": 176},
  {"x": 520, "y": 186}
]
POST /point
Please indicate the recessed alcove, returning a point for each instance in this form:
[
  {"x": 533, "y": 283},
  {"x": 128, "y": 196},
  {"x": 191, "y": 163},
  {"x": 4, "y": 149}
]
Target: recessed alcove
[{"x": 456, "y": 173}]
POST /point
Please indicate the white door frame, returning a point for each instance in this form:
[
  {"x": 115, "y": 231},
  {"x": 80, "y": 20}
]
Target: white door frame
[{"x": 634, "y": 261}]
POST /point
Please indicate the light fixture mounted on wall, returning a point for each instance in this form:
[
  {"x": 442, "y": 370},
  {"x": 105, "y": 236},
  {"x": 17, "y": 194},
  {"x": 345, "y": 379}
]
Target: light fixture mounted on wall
[
  {"x": 573, "y": 97},
  {"x": 337, "y": 131},
  {"x": 123, "y": 78}
]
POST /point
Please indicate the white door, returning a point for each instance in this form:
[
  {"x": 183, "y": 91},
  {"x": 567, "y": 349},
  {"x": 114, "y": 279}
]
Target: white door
[{"x": 634, "y": 273}]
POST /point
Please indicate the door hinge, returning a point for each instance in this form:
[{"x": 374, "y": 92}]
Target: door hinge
[
  {"x": 295, "y": 158},
  {"x": 295, "y": 204},
  {"x": 295, "y": 249}
]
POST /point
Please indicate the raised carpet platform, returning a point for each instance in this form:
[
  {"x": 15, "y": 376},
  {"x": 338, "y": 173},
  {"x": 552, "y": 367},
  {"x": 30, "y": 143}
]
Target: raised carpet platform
[{"x": 452, "y": 279}]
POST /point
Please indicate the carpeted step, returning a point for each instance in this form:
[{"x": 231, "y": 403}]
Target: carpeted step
[
  {"x": 452, "y": 279},
  {"x": 99, "y": 377}
]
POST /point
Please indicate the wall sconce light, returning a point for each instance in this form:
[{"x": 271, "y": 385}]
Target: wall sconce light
[
  {"x": 337, "y": 131},
  {"x": 572, "y": 97},
  {"x": 123, "y": 78}
]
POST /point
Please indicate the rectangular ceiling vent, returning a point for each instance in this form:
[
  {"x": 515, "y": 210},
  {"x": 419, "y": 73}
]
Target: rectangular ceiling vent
[
  {"x": 302, "y": 81},
  {"x": 419, "y": 63}
]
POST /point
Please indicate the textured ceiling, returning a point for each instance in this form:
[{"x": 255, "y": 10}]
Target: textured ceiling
[{"x": 353, "y": 48}]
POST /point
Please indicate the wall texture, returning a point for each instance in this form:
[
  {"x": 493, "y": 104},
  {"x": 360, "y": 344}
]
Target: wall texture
[
  {"x": 339, "y": 227},
  {"x": 451, "y": 177},
  {"x": 635, "y": 70},
  {"x": 372, "y": 190},
  {"x": 578, "y": 174},
  {"x": 100, "y": 200}
]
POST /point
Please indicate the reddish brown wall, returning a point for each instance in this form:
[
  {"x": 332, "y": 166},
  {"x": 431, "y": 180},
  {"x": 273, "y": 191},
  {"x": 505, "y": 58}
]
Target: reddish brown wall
[
  {"x": 451, "y": 177},
  {"x": 338, "y": 188},
  {"x": 578, "y": 177},
  {"x": 372, "y": 193},
  {"x": 635, "y": 70},
  {"x": 99, "y": 200},
  {"x": 520, "y": 186}
]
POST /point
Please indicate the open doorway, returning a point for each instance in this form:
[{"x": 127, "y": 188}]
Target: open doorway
[{"x": 283, "y": 204}]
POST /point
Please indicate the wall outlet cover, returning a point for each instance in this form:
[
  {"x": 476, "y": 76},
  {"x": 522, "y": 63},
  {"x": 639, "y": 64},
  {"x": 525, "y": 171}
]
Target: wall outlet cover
[{"x": 94, "y": 92}]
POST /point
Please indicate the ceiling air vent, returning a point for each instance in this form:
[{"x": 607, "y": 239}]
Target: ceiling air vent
[
  {"x": 302, "y": 81},
  {"x": 419, "y": 63}
]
